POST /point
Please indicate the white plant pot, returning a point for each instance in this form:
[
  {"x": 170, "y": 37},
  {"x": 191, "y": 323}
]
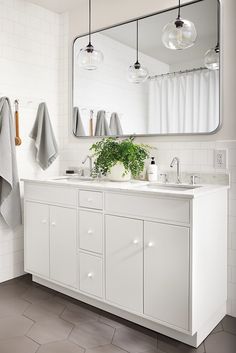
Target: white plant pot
[{"x": 117, "y": 173}]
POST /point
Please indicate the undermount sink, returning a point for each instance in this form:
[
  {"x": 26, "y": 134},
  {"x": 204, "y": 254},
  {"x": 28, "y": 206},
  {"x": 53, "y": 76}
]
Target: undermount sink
[
  {"x": 173, "y": 187},
  {"x": 73, "y": 179}
]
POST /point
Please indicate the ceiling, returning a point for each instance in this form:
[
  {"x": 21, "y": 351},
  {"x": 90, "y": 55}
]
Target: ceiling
[{"x": 59, "y": 6}]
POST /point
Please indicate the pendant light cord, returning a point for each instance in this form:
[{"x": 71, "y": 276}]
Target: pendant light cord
[
  {"x": 218, "y": 25},
  {"x": 137, "y": 41},
  {"x": 179, "y": 11},
  {"x": 90, "y": 29}
]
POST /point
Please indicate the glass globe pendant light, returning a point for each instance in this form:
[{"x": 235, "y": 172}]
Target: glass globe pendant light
[
  {"x": 136, "y": 72},
  {"x": 212, "y": 56},
  {"x": 179, "y": 34},
  {"x": 89, "y": 58}
]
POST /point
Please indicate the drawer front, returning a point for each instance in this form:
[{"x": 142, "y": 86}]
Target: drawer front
[
  {"x": 91, "y": 231},
  {"x": 152, "y": 207},
  {"x": 90, "y": 199},
  {"x": 91, "y": 278},
  {"x": 51, "y": 194}
]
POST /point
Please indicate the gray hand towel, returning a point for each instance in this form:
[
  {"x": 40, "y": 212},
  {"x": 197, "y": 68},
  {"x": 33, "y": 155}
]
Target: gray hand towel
[
  {"x": 45, "y": 142},
  {"x": 102, "y": 128},
  {"x": 78, "y": 128},
  {"x": 115, "y": 125},
  {"x": 10, "y": 204}
]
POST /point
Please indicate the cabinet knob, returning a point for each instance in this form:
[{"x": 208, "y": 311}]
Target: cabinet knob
[
  {"x": 90, "y": 231},
  {"x": 89, "y": 200},
  {"x": 90, "y": 275},
  {"x": 44, "y": 221},
  {"x": 53, "y": 224},
  {"x": 135, "y": 241},
  {"x": 150, "y": 244}
]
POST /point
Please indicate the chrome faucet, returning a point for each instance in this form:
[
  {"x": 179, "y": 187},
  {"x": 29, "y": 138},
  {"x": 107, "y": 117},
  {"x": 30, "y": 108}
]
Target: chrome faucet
[
  {"x": 177, "y": 162},
  {"x": 90, "y": 158}
]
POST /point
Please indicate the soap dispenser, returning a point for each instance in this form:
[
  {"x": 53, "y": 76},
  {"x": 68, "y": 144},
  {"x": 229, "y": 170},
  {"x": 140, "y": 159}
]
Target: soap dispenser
[{"x": 152, "y": 170}]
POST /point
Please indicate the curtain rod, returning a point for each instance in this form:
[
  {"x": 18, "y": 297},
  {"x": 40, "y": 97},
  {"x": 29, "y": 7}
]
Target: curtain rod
[{"x": 177, "y": 73}]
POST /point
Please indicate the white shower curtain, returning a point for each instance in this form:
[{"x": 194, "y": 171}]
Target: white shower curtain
[{"x": 184, "y": 103}]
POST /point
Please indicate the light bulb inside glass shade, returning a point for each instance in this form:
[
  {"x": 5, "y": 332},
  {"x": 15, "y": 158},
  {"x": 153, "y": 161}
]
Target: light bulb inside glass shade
[
  {"x": 212, "y": 58},
  {"x": 179, "y": 34},
  {"x": 90, "y": 58},
  {"x": 137, "y": 73}
]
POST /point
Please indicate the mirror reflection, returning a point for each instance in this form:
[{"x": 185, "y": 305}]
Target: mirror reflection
[{"x": 175, "y": 89}]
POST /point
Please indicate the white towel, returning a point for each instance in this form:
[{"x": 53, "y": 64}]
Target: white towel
[
  {"x": 102, "y": 128},
  {"x": 115, "y": 125},
  {"x": 78, "y": 128},
  {"x": 45, "y": 141},
  {"x": 10, "y": 204}
]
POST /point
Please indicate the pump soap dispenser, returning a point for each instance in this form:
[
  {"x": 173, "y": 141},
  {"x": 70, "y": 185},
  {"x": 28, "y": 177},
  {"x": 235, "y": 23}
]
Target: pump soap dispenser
[{"x": 152, "y": 170}]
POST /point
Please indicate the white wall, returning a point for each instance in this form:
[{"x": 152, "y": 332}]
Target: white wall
[
  {"x": 29, "y": 71},
  {"x": 108, "y": 88}
]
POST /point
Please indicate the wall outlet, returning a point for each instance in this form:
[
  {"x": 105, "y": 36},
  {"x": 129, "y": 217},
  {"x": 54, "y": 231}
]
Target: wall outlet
[{"x": 220, "y": 159}]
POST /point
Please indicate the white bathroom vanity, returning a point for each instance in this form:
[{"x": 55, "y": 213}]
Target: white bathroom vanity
[{"x": 152, "y": 254}]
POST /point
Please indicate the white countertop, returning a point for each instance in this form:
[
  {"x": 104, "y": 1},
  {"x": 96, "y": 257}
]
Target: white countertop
[{"x": 133, "y": 186}]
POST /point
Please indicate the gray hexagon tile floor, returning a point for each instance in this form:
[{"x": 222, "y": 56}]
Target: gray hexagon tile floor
[{"x": 35, "y": 319}]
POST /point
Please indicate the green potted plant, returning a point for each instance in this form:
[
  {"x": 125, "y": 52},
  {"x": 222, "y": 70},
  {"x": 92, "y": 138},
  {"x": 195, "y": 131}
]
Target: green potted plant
[{"x": 119, "y": 159}]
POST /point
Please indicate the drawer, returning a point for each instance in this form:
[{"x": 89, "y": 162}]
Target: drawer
[
  {"x": 91, "y": 231},
  {"x": 91, "y": 199},
  {"x": 175, "y": 210},
  {"x": 91, "y": 278},
  {"x": 51, "y": 194}
]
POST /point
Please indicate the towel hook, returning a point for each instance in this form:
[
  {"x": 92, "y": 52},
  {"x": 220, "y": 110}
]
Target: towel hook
[
  {"x": 16, "y": 102},
  {"x": 17, "y": 138}
]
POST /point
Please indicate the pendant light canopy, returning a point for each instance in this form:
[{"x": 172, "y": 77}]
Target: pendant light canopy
[
  {"x": 136, "y": 72},
  {"x": 89, "y": 58},
  {"x": 212, "y": 56},
  {"x": 179, "y": 34}
]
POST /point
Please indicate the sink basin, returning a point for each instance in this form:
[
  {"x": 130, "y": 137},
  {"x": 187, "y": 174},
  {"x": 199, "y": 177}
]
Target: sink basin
[
  {"x": 73, "y": 179},
  {"x": 173, "y": 187}
]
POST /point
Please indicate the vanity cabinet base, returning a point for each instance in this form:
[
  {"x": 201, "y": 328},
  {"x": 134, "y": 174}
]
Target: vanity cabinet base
[
  {"x": 160, "y": 262},
  {"x": 193, "y": 341}
]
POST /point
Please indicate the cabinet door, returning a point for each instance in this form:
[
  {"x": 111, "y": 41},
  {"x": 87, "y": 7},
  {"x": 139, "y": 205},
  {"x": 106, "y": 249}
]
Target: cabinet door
[
  {"x": 124, "y": 262},
  {"x": 166, "y": 273},
  {"x": 63, "y": 245},
  {"x": 37, "y": 238}
]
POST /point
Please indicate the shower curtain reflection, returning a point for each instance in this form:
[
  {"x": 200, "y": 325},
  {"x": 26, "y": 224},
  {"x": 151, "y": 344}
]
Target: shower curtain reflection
[{"x": 184, "y": 102}]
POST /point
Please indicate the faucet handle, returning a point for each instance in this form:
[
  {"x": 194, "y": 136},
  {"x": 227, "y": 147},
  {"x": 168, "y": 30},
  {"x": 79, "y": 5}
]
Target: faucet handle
[
  {"x": 193, "y": 179},
  {"x": 164, "y": 177}
]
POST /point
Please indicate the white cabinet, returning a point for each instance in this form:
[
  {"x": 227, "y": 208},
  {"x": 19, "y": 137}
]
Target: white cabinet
[
  {"x": 37, "y": 238},
  {"x": 91, "y": 199},
  {"x": 165, "y": 250},
  {"x": 166, "y": 273},
  {"x": 124, "y": 262},
  {"x": 50, "y": 242},
  {"x": 91, "y": 273},
  {"x": 91, "y": 231},
  {"x": 63, "y": 245},
  {"x": 150, "y": 258}
]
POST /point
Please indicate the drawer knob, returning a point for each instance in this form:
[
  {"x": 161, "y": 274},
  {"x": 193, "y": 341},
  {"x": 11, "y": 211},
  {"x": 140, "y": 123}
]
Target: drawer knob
[
  {"x": 90, "y": 275},
  {"x": 44, "y": 221},
  {"x": 89, "y": 200},
  {"x": 150, "y": 244},
  {"x": 90, "y": 231},
  {"x": 135, "y": 241},
  {"x": 53, "y": 224}
]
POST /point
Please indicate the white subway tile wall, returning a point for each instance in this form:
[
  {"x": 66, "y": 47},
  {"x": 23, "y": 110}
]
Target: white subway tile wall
[{"x": 30, "y": 46}]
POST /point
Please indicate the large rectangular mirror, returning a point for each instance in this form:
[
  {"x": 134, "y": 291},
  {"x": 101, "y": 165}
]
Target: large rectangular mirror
[{"x": 180, "y": 94}]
